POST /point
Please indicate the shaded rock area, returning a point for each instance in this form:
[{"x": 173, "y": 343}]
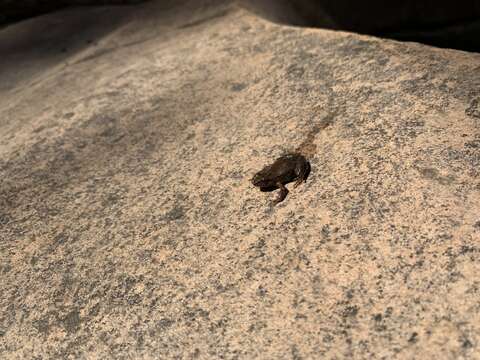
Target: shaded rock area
[
  {"x": 129, "y": 227},
  {"x": 16, "y": 10},
  {"x": 448, "y": 24}
]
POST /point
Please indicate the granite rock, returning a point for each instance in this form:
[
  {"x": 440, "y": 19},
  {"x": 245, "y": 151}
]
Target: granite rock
[{"x": 129, "y": 227}]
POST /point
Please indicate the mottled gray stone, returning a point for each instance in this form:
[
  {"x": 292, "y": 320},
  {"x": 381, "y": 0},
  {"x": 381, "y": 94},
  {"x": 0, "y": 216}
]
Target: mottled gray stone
[{"x": 129, "y": 227}]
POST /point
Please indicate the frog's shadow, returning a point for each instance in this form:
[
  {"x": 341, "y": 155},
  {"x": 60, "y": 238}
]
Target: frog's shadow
[{"x": 273, "y": 188}]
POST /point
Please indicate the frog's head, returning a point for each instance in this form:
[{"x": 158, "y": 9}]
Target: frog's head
[{"x": 260, "y": 179}]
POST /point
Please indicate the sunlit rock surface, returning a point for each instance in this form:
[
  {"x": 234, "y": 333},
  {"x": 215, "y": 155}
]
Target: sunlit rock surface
[{"x": 129, "y": 227}]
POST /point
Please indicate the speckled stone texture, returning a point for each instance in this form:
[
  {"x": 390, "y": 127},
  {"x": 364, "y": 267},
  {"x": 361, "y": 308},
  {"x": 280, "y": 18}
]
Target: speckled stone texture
[{"x": 128, "y": 225}]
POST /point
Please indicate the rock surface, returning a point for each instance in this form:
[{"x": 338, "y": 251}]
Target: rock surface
[
  {"x": 129, "y": 227},
  {"x": 445, "y": 24}
]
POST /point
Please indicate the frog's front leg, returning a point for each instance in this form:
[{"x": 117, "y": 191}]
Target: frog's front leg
[
  {"x": 282, "y": 195},
  {"x": 301, "y": 171}
]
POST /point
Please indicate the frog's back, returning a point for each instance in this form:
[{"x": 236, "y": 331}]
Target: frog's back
[{"x": 283, "y": 169}]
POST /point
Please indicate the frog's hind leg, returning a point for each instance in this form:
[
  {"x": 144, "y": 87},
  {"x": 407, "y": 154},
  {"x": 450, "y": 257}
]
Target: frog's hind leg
[
  {"x": 302, "y": 171},
  {"x": 282, "y": 195}
]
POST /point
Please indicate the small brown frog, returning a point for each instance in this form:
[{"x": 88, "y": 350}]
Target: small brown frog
[{"x": 285, "y": 169}]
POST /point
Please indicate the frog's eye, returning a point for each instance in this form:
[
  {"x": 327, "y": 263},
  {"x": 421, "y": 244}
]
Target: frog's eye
[{"x": 257, "y": 178}]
